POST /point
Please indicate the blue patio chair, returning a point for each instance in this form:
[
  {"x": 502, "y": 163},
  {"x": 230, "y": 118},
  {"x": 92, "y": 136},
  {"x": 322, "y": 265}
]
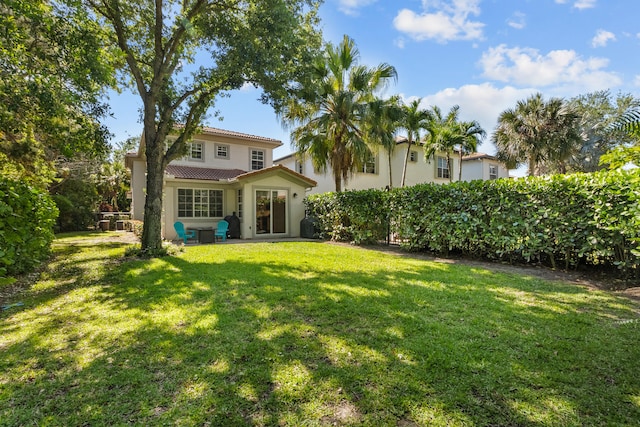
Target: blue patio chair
[
  {"x": 182, "y": 233},
  {"x": 221, "y": 230}
]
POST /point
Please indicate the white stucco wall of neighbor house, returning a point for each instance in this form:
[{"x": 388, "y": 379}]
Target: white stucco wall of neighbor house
[{"x": 419, "y": 170}]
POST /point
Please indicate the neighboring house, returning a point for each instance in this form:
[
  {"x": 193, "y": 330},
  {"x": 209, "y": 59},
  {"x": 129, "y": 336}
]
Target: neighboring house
[
  {"x": 375, "y": 173},
  {"x": 226, "y": 172},
  {"x": 482, "y": 166}
]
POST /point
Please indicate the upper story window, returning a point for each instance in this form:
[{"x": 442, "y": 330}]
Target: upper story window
[
  {"x": 195, "y": 151},
  {"x": 443, "y": 168},
  {"x": 413, "y": 156},
  {"x": 222, "y": 151},
  {"x": 493, "y": 172},
  {"x": 300, "y": 167},
  {"x": 257, "y": 159},
  {"x": 369, "y": 166}
]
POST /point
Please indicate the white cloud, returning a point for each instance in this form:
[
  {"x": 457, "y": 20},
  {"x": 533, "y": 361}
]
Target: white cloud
[
  {"x": 602, "y": 37},
  {"x": 483, "y": 103},
  {"x": 584, "y": 4},
  {"x": 528, "y": 67},
  {"x": 580, "y": 4},
  {"x": 517, "y": 21},
  {"x": 350, "y": 7},
  {"x": 636, "y": 80},
  {"x": 441, "y": 20}
]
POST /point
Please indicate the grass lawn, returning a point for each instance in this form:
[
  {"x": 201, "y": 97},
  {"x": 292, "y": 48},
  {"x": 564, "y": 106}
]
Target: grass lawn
[{"x": 310, "y": 334}]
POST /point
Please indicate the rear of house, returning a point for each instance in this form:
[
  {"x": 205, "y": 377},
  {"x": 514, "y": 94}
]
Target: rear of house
[{"x": 223, "y": 173}]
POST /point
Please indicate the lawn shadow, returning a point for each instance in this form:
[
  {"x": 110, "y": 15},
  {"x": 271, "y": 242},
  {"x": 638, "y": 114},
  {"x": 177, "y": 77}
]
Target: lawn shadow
[{"x": 247, "y": 341}]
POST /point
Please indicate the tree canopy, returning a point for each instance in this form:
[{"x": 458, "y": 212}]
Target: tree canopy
[
  {"x": 180, "y": 55},
  {"x": 542, "y": 134},
  {"x": 329, "y": 112},
  {"x": 53, "y": 69}
]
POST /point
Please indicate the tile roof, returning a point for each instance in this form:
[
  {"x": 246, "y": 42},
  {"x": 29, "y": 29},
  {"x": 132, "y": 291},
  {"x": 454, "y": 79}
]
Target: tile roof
[
  {"x": 208, "y": 174},
  {"x": 477, "y": 156},
  {"x": 217, "y": 131},
  {"x": 274, "y": 168}
]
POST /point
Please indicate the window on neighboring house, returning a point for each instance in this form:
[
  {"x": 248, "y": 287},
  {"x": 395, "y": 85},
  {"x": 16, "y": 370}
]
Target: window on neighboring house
[
  {"x": 493, "y": 172},
  {"x": 195, "y": 151},
  {"x": 443, "y": 168},
  {"x": 197, "y": 203},
  {"x": 222, "y": 151},
  {"x": 257, "y": 159},
  {"x": 300, "y": 167},
  {"x": 413, "y": 156},
  {"x": 369, "y": 166}
]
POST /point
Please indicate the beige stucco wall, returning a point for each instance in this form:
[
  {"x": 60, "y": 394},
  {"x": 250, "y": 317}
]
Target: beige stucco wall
[
  {"x": 295, "y": 206},
  {"x": 294, "y": 213},
  {"x": 138, "y": 188},
  {"x": 419, "y": 171},
  {"x": 239, "y": 153},
  {"x": 170, "y": 205},
  {"x": 479, "y": 169}
]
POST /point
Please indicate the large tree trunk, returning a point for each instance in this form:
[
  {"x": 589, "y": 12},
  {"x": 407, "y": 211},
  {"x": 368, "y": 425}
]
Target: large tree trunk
[{"x": 154, "y": 150}]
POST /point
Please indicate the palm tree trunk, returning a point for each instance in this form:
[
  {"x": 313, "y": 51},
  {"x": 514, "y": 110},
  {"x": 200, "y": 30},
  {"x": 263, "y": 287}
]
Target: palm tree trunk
[
  {"x": 390, "y": 175},
  {"x": 406, "y": 161},
  {"x": 460, "y": 166}
]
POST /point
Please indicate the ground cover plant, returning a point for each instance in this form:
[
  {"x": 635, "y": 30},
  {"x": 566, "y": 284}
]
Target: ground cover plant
[{"x": 301, "y": 333}]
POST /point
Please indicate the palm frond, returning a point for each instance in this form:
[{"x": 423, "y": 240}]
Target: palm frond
[{"x": 629, "y": 121}]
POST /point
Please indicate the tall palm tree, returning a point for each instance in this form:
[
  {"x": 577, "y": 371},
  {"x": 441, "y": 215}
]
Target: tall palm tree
[
  {"x": 472, "y": 136},
  {"x": 383, "y": 117},
  {"x": 328, "y": 114},
  {"x": 541, "y": 134},
  {"x": 413, "y": 120},
  {"x": 443, "y": 134}
]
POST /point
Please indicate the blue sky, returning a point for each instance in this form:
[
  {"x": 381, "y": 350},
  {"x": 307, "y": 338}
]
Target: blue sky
[{"x": 483, "y": 55}]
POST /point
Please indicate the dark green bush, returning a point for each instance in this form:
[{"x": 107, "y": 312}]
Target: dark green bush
[
  {"x": 77, "y": 200},
  {"x": 27, "y": 217},
  {"x": 360, "y": 217},
  {"x": 561, "y": 220}
]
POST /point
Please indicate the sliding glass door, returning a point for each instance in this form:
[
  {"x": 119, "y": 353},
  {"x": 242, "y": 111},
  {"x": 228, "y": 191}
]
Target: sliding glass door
[{"x": 271, "y": 212}]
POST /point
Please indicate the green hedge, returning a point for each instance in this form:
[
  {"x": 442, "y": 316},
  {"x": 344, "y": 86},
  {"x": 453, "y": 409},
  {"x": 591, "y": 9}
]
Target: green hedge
[
  {"x": 562, "y": 220},
  {"x": 27, "y": 217},
  {"x": 357, "y": 216}
]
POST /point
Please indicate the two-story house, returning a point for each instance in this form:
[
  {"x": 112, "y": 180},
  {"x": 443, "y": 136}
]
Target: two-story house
[
  {"x": 375, "y": 172},
  {"x": 226, "y": 172}
]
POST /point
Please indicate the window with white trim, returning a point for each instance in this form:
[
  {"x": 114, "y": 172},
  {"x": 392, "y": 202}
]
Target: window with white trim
[
  {"x": 199, "y": 203},
  {"x": 222, "y": 151},
  {"x": 369, "y": 165},
  {"x": 195, "y": 151},
  {"x": 493, "y": 172},
  {"x": 257, "y": 159},
  {"x": 300, "y": 167},
  {"x": 413, "y": 156},
  {"x": 443, "y": 168}
]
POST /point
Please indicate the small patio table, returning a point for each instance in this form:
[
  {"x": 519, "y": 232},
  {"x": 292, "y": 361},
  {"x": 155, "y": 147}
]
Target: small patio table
[{"x": 205, "y": 234}]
